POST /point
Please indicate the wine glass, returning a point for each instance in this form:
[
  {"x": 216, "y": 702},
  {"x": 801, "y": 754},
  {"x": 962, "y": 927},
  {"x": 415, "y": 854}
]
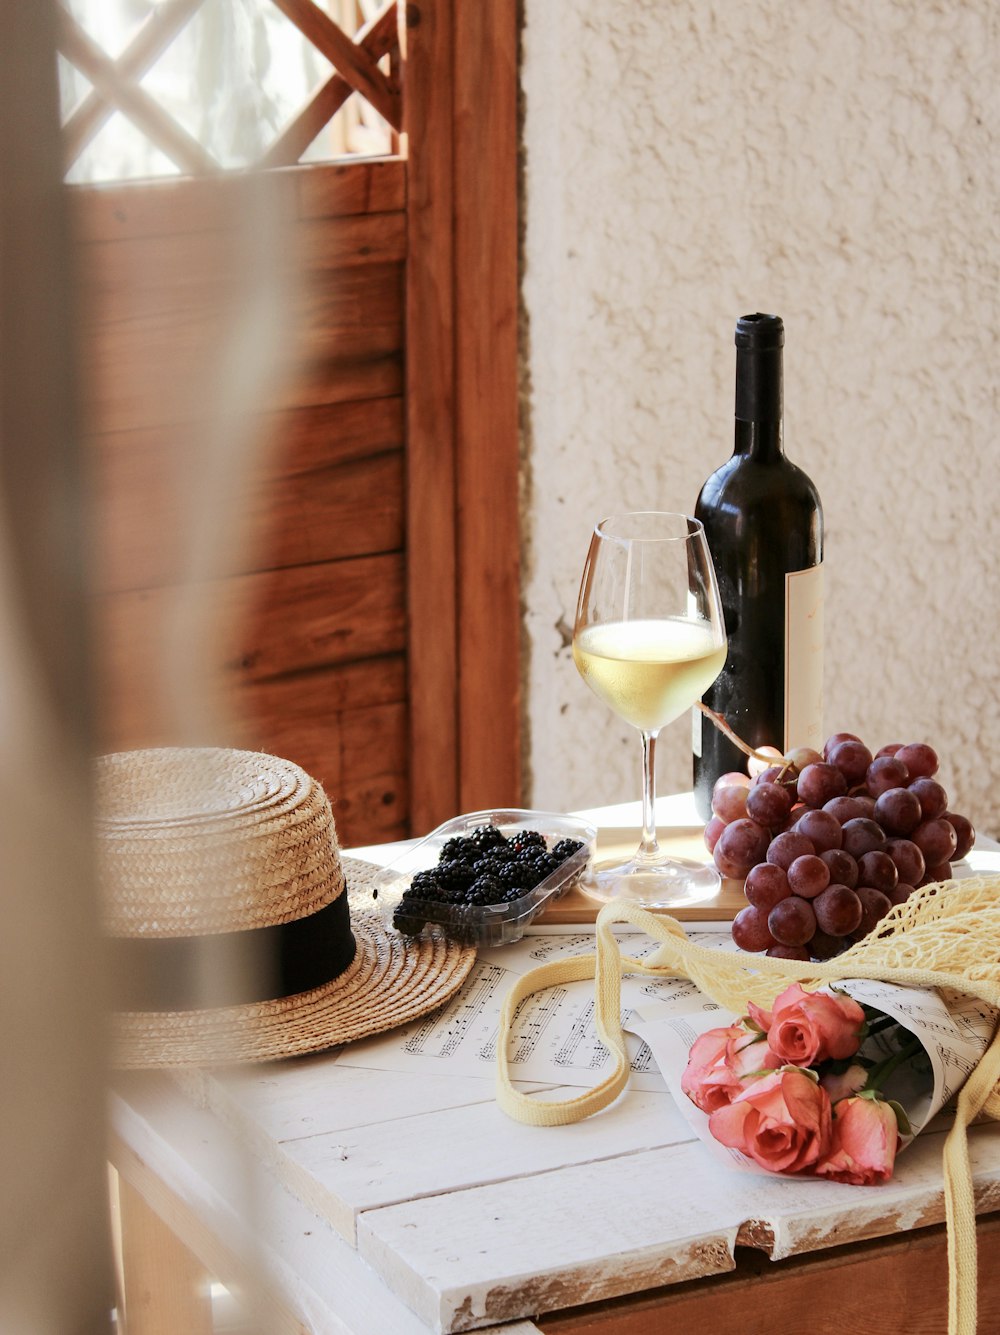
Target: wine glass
[{"x": 649, "y": 639}]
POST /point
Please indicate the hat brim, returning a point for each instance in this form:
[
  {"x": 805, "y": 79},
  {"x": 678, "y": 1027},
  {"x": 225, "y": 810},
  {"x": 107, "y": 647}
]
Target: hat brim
[{"x": 391, "y": 981}]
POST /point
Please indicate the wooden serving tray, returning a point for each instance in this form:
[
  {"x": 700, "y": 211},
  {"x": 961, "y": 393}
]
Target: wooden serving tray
[{"x": 577, "y": 907}]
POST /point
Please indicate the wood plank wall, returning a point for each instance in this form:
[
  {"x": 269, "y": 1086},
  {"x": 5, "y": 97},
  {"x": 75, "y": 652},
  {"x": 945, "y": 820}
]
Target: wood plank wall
[{"x": 307, "y": 651}]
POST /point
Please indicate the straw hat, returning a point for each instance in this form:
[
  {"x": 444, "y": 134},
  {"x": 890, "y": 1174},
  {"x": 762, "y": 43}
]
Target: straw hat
[{"x": 237, "y": 931}]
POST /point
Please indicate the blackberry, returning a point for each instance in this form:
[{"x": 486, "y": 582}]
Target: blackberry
[
  {"x": 526, "y": 855},
  {"x": 423, "y": 884},
  {"x": 485, "y": 890},
  {"x": 458, "y": 850},
  {"x": 411, "y": 897},
  {"x": 543, "y": 867},
  {"x": 455, "y": 875},
  {"x": 565, "y": 848},
  {"x": 516, "y": 874},
  {"x": 464, "y": 935},
  {"x": 491, "y": 862},
  {"x": 408, "y": 923},
  {"x": 526, "y": 840},
  {"x": 454, "y": 895},
  {"x": 487, "y": 836}
]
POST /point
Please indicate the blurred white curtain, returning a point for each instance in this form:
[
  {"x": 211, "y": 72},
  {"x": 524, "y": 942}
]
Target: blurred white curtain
[
  {"x": 55, "y": 1264},
  {"x": 54, "y": 1258}
]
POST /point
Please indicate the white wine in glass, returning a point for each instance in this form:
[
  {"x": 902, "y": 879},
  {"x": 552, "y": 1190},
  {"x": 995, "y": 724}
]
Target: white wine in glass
[{"x": 648, "y": 640}]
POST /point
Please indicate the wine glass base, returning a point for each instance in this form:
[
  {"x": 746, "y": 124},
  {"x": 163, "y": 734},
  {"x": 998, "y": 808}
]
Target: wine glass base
[{"x": 670, "y": 883}]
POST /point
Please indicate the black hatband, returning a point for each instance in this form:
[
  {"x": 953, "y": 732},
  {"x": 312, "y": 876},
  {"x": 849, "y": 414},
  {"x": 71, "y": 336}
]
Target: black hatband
[{"x": 233, "y": 968}]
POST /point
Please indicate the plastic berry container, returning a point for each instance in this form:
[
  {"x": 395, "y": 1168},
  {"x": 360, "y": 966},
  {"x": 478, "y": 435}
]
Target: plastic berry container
[{"x": 487, "y": 924}]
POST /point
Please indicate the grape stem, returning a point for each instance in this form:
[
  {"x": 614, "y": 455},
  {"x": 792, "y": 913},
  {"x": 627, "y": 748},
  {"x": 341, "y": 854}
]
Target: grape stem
[{"x": 724, "y": 727}]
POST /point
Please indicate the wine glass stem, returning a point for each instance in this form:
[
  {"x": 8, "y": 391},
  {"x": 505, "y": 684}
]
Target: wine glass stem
[{"x": 649, "y": 848}]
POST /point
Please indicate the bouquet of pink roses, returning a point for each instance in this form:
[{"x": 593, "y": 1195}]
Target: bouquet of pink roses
[{"x": 790, "y": 1088}]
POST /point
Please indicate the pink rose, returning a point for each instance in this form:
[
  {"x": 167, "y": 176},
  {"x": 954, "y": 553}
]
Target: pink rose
[
  {"x": 781, "y": 1121},
  {"x": 863, "y": 1145},
  {"x": 720, "y": 1063},
  {"x": 843, "y": 1085},
  {"x": 761, "y": 1018},
  {"x": 808, "y": 1027}
]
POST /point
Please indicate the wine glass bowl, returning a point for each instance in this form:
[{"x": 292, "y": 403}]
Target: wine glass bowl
[{"x": 649, "y": 640}]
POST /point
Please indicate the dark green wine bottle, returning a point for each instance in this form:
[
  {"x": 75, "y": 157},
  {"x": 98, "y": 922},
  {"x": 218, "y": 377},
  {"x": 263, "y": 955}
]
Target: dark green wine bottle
[{"x": 764, "y": 525}]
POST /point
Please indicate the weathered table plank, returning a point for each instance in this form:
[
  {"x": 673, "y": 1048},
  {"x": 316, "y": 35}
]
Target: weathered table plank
[
  {"x": 312, "y": 1095},
  {"x": 451, "y": 1144},
  {"x": 637, "y": 1221},
  {"x": 288, "y": 1268}
]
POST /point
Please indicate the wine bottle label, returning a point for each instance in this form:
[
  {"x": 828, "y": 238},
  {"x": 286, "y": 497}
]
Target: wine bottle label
[{"x": 804, "y": 658}]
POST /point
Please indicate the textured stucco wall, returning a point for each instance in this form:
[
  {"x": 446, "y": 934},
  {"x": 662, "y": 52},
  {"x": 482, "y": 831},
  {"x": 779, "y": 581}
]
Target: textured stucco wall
[{"x": 687, "y": 161}]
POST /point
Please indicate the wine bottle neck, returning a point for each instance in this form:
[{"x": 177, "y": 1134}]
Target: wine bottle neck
[
  {"x": 758, "y": 402},
  {"x": 759, "y": 440}
]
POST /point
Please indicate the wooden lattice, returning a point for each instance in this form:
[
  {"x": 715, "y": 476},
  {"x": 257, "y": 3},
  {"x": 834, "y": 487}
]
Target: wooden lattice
[{"x": 115, "y": 83}]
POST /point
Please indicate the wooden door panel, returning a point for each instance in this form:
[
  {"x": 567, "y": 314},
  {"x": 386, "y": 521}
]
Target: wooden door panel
[
  {"x": 180, "y": 275},
  {"x": 312, "y": 616},
  {"x": 271, "y": 623},
  {"x": 329, "y": 485},
  {"x": 358, "y": 755},
  {"x": 318, "y": 436},
  {"x": 368, "y": 626},
  {"x": 349, "y": 509},
  {"x": 373, "y": 186},
  {"x": 153, "y": 350},
  {"x": 377, "y": 374},
  {"x": 191, "y": 205},
  {"x": 304, "y": 651},
  {"x": 306, "y": 518}
]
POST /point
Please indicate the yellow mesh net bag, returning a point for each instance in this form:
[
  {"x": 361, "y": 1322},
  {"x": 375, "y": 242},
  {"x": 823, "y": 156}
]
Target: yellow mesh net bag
[{"x": 944, "y": 936}]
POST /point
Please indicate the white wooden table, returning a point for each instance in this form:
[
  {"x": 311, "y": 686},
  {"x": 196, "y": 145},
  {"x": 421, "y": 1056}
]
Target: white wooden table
[{"x": 337, "y": 1200}]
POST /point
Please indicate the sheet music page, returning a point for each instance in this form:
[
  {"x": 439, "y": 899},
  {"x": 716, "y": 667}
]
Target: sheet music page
[{"x": 554, "y": 1038}]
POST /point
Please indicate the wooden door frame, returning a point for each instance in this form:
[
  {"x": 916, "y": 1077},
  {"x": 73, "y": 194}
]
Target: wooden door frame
[{"x": 463, "y": 530}]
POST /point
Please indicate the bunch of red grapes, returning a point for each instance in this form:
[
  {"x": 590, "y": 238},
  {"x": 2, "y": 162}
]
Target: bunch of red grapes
[{"x": 829, "y": 843}]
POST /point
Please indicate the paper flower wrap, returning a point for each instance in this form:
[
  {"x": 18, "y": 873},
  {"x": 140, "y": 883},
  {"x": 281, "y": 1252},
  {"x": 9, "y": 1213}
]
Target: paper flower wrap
[{"x": 832, "y": 1082}]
